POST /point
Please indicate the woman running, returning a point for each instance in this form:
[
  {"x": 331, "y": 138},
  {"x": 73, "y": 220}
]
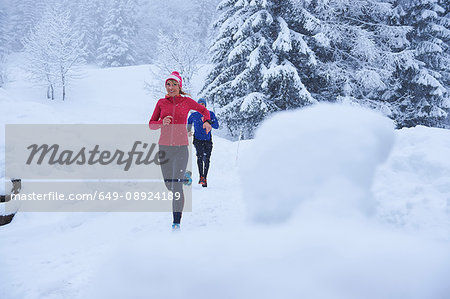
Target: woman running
[{"x": 170, "y": 115}]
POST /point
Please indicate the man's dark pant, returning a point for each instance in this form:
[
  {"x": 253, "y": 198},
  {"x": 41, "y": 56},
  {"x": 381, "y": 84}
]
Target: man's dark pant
[{"x": 204, "y": 149}]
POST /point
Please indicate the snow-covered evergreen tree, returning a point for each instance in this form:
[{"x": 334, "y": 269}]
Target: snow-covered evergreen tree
[
  {"x": 88, "y": 19},
  {"x": 147, "y": 34},
  {"x": 256, "y": 55},
  {"x": 444, "y": 21},
  {"x": 54, "y": 50},
  {"x": 355, "y": 51},
  {"x": 203, "y": 12},
  {"x": 3, "y": 44},
  {"x": 191, "y": 19},
  {"x": 419, "y": 96},
  {"x": 23, "y": 16},
  {"x": 3, "y": 30},
  {"x": 117, "y": 46}
]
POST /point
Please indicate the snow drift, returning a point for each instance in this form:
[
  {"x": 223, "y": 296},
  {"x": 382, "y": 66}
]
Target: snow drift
[
  {"x": 412, "y": 189},
  {"x": 324, "y": 155}
]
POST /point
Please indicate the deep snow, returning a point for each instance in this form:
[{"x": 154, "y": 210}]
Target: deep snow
[{"x": 326, "y": 202}]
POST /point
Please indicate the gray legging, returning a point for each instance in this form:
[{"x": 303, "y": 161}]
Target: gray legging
[{"x": 173, "y": 172}]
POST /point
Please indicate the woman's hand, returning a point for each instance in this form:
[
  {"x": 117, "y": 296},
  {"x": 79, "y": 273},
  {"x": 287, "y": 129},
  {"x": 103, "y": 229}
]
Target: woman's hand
[
  {"x": 167, "y": 120},
  {"x": 207, "y": 127}
]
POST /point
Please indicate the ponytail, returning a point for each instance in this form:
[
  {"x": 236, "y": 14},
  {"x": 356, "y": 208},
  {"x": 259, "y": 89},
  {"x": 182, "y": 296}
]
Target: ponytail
[{"x": 184, "y": 93}]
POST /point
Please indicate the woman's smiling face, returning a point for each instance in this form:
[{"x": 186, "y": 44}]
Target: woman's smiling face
[{"x": 173, "y": 88}]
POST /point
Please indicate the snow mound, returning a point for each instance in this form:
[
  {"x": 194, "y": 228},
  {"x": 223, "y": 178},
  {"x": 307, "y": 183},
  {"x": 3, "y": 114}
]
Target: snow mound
[{"x": 322, "y": 156}]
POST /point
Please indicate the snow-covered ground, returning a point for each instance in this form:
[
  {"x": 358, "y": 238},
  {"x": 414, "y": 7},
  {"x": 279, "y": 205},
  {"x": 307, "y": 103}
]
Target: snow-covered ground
[{"x": 326, "y": 202}]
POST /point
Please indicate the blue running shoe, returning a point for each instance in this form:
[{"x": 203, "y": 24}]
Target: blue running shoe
[
  {"x": 176, "y": 227},
  {"x": 187, "y": 178}
]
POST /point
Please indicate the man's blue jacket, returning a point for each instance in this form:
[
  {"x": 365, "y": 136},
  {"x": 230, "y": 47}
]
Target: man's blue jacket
[{"x": 196, "y": 120}]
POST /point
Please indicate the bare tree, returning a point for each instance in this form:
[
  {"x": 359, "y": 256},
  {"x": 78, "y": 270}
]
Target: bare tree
[
  {"x": 54, "y": 51},
  {"x": 176, "y": 52}
]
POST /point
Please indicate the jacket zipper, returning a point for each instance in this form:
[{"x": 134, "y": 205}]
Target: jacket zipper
[{"x": 173, "y": 121}]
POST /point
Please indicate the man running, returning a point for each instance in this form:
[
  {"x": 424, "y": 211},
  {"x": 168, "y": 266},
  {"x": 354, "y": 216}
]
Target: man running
[{"x": 202, "y": 141}]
